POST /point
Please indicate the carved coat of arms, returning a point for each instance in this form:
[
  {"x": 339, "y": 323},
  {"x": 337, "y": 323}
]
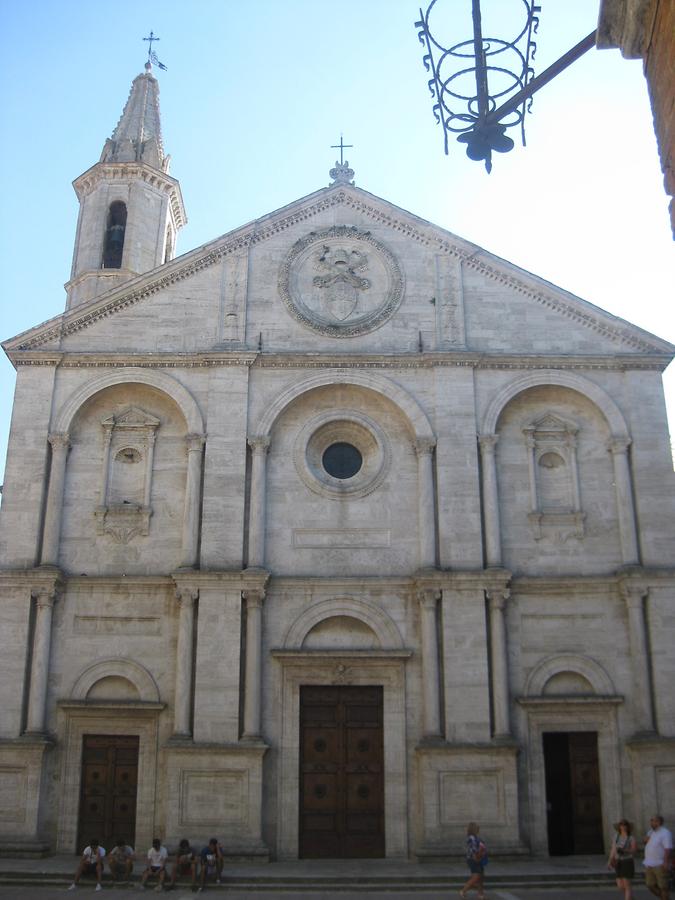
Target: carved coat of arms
[
  {"x": 340, "y": 284},
  {"x": 341, "y": 281}
]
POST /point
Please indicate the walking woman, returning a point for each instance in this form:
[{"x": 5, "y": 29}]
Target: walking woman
[
  {"x": 476, "y": 858},
  {"x": 624, "y": 848}
]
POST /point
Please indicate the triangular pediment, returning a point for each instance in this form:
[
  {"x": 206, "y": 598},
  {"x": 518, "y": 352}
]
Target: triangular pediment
[
  {"x": 176, "y": 282},
  {"x": 133, "y": 417},
  {"x": 550, "y": 423}
]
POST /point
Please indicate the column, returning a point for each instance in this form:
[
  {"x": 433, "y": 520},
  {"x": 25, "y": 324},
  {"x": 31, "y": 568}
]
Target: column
[
  {"x": 195, "y": 443},
  {"x": 618, "y": 447},
  {"x": 186, "y": 602},
  {"x": 499, "y": 663},
  {"x": 256, "y": 528},
  {"x": 105, "y": 465},
  {"x": 149, "y": 459},
  {"x": 493, "y": 540},
  {"x": 37, "y": 697},
  {"x": 430, "y": 667},
  {"x": 52, "y": 522},
  {"x": 426, "y": 509},
  {"x": 634, "y": 595},
  {"x": 253, "y": 668}
]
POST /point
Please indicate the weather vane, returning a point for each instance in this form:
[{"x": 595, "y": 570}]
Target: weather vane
[{"x": 152, "y": 56}]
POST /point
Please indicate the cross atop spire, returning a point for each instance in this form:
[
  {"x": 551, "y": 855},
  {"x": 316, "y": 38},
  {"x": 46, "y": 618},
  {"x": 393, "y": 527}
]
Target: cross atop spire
[
  {"x": 341, "y": 147},
  {"x": 152, "y": 56},
  {"x": 341, "y": 173},
  {"x": 150, "y": 39}
]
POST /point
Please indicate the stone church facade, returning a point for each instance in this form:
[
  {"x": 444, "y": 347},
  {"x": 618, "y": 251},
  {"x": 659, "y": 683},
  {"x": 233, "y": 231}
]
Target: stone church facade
[{"x": 327, "y": 537}]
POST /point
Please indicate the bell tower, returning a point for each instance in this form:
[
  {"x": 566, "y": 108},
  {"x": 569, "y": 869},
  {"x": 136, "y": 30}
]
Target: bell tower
[{"x": 130, "y": 207}]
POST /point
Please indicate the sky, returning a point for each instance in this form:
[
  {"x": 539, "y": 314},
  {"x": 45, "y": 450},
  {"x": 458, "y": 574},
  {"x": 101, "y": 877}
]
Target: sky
[{"x": 254, "y": 96}]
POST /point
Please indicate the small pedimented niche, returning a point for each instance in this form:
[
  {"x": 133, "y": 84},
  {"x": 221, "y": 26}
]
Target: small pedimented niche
[
  {"x": 555, "y": 498},
  {"x": 124, "y": 510}
]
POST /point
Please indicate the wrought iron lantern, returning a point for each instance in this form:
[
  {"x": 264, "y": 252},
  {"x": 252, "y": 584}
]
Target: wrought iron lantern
[{"x": 482, "y": 85}]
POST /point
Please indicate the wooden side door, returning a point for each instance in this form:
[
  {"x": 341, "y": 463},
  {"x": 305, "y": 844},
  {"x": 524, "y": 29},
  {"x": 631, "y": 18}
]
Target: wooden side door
[
  {"x": 341, "y": 772},
  {"x": 108, "y": 789},
  {"x": 585, "y": 785},
  {"x": 574, "y": 809}
]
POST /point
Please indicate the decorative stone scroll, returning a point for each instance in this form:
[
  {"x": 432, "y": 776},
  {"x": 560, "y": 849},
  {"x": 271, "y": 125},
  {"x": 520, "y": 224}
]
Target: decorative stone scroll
[{"x": 341, "y": 282}]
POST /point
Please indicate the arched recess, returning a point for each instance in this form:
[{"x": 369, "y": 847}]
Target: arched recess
[
  {"x": 132, "y": 671},
  {"x": 543, "y": 377},
  {"x": 414, "y": 414},
  {"x": 569, "y": 662},
  {"x": 132, "y": 375},
  {"x": 376, "y": 619}
]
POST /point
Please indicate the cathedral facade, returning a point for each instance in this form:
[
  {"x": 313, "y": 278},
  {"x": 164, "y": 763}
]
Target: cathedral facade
[{"x": 327, "y": 537}]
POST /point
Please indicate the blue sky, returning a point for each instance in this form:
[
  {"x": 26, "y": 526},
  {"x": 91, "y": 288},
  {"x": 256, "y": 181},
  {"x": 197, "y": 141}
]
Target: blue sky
[{"x": 254, "y": 96}]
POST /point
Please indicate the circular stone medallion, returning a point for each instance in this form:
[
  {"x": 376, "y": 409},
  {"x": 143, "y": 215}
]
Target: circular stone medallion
[{"x": 341, "y": 282}]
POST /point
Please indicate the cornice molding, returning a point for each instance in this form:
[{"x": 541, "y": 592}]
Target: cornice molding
[
  {"x": 127, "y": 171},
  {"x": 423, "y": 233},
  {"x": 656, "y": 362}
]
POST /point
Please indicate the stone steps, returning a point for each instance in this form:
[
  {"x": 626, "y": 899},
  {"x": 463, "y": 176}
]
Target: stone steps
[{"x": 394, "y": 883}]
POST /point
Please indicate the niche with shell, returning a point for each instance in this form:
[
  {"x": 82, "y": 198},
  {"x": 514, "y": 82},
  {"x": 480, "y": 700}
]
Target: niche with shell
[
  {"x": 124, "y": 510},
  {"x": 555, "y": 503}
]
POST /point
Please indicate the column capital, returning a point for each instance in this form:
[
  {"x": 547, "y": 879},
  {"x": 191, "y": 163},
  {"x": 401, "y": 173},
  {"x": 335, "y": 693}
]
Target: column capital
[
  {"x": 488, "y": 442},
  {"x": 498, "y": 598},
  {"x": 195, "y": 442},
  {"x": 424, "y": 446},
  {"x": 259, "y": 443},
  {"x": 254, "y": 597},
  {"x": 45, "y": 596},
  {"x": 633, "y": 593},
  {"x": 187, "y": 596},
  {"x": 428, "y": 597},
  {"x": 618, "y": 445},
  {"x": 59, "y": 440}
]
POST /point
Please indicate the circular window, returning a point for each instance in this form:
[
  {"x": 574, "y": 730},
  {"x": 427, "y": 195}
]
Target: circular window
[
  {"x": 341, "y": 454},
  {"x": 342, "y": 460}
]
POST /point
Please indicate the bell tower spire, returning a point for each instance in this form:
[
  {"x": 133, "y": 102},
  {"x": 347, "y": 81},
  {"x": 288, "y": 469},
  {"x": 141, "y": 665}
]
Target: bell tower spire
[{"x": 131, "y": 209}]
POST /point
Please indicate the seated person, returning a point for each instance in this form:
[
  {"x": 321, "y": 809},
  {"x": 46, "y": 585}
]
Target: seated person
[
  {"x": 157, "y": 856},
  {"x": 211, "y": 862},
  {"x": 186, "y": 863},
  {"x": 121, "y": 861},
  {"x": 91, "y": 863}
]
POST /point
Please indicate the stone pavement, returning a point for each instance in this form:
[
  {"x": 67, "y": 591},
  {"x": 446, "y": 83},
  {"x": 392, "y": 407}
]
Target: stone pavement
[{"x": 355, "y": 877}]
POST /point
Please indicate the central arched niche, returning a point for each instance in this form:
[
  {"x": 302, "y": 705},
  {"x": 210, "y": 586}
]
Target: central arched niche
[
  {"x": 339, "y": 633},
  {"x": 319, "y": 525},
  {"x": 148, "y": 445}
]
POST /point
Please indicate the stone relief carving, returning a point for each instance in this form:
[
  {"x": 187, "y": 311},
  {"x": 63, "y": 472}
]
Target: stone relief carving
[
  {"x": 126, "y": 475},
  {"x": 341, "y": 282}
]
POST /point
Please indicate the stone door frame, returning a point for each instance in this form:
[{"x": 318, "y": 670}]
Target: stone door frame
[
  {"x": 133, "y": 719},
  {"x": 370, "y": 667},
  {"x": 566, "y": 714}
]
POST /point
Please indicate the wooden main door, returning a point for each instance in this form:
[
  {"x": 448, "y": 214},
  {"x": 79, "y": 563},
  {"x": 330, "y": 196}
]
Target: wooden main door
[
  {"x": 108, "y": 790},
  {"x": 341, "y": 772},
  {"x": 574, "y": 811}
]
